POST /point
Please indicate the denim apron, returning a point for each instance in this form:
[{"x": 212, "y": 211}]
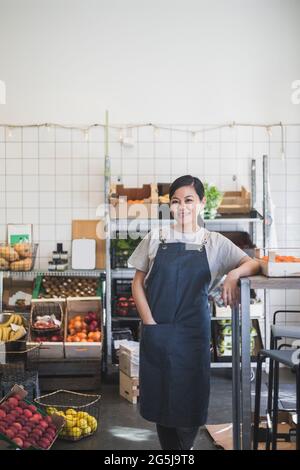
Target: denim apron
[{"x": 175, "y": 353}]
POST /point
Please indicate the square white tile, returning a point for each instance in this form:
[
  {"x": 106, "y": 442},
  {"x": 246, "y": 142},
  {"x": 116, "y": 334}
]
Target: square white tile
[
  {"x": 130, "y": 166},
  {"x": 14, "y": 216},
  {"x": 14, "y": 199},
  {"x": 30, "y": 134},
  {"x": 14, "y": 166},
  {"x": 2, "y": 150},
  {"x": 13, "y": 183},
  {"x": 96, "y": 183},
  {"x": 79, "y": 150},
  {"x": 13, "y": 150},
  {"x": 47, "y": 199},
  {"x": 46, "y": 150},
  {"x": 63, "y": 199},
  {"x": 63, "y": 166},
  {"x": 47, "y": 166},
  {"x": 30, "y": 199},
  {"x": 163, "y": 166},
  {"x": 80, "y": 167},
  {"x": 47, "y": 216},
  {"x": 63, "y": 149},
  {"x": 31, "y": 216},
  {"x": 63, "y": 232},
  {"x": 30, "y": 166},
  {"x": 95, "y": 198},
  {"x": 80, "y": 199},
  {"x": 63, "y": 183},
  {"x": 96, "y": 166},
  {"x": 80, "y": 183},
  {"x": 47, "y": 233},
  {"x": 179, "y": 166},
  {"x": 30, "y": 150},
  {"x": 80, "y": 214},
  {"x": 146, "y": 149},
  {"x": 63, "y": 216},
  {"x": 30, "y": 183}
]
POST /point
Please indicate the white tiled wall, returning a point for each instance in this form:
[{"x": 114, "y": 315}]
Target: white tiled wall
[{"x": 50, "y": 176}]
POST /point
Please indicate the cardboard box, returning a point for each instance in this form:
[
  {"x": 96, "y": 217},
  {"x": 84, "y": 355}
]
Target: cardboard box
[
  {"x": 129, "y": 361},
  {"x": 256, "y": 310},
  {"x": 81, "y": 306},
  {"x": 129, "y": 387},
  {"x": 58, "y": 421},
  {"x": 14, "y": 289}
]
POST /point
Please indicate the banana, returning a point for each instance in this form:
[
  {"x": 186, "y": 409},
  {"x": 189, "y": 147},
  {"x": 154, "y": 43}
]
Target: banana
[
  {"x": 18, "y": 334},
  {"x": 5, "y": 333},
  {"x": 1, "y": 330},
  {"x": 8, "y": 322}
]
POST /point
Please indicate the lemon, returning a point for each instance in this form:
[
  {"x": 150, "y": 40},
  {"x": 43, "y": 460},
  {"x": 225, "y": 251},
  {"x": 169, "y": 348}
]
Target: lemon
[
  {"x": 70, "y": 421},
  {"x": 91, "y": 421},
  {"x": 82, "y": 423},
  {"x": 60, "y": 413},
  {"x": 82, "y": 414},
  {"x": 70, "y": 411},
  {"x": 75, "y": 432},
  {"x": 50, "y": 410},
  {"x": 87, "y": 430}
]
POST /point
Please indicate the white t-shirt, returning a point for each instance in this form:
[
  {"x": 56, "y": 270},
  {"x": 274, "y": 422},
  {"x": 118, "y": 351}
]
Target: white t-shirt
[{"x": 223, "y": 255}]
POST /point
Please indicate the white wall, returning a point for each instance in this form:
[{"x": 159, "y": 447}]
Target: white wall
[{"x": 180, "y": 61}]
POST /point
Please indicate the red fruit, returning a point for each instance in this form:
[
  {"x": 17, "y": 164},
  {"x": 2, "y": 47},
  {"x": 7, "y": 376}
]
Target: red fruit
[
  {"x": 2, "y": 429},
  {"x": 10, "y": 433},
  {"x": 10, "y": 418},
  {"x": 26, "y": 444},
  {"x": 18, "y": 441},
  {"x": 19, "y": 410},
  {"x": 48, "y": 419},
  {"x": 32, "y": 408},
  {"x": 22, "y": 434},
  {"x": 37, "y": 433},
  {"x": 13, "y": 401},
  {"x": 27, "y": 413},
  {"x": 27, "y": 429},
  {"x": 17, "y": 426},
  {"x": 2, "y": 414},
  {"x": 44, "y": 443},
  {"x": 23, "y": 405},
  {"x": 43, "y": 424},
  {"x": 36, "y": 418}
]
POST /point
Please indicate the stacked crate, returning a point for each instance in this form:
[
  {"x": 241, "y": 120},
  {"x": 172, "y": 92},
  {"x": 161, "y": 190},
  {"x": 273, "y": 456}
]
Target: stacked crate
[{"x": 129, "y": 370}]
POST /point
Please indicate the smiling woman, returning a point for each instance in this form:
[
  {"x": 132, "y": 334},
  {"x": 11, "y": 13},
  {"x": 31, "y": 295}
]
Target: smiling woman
[{"x": 175, "y": 272}]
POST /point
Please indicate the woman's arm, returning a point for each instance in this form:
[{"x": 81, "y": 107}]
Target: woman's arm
[
  {"x": 138, "y": 293},
  {"x": 230, "y": 292}
]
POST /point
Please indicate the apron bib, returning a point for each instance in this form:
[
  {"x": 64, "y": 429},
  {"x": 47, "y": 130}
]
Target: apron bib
[{"x": 175, "y": 353}]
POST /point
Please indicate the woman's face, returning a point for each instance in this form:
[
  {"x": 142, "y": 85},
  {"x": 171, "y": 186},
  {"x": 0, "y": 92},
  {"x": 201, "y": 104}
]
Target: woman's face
[{"x": 186, "y": 205}]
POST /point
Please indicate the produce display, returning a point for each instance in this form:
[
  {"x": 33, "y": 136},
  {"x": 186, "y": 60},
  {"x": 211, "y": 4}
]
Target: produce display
[
  {"x": 18, "y": 257},
  {"x": 125, "y": 306},
  {"x": 282, "y": 259},
  {"x": 56, "y": 287},
  {"x": 121, "y": 249},
  {"x": 46, "y": 322},
  {"x": 224, "y": 345},
  {"x": 78, "y": 424},
  {"x": 12, "y": 329},
  {"x": 84, "y": 328},
  {"x": 23, "y": 424}
]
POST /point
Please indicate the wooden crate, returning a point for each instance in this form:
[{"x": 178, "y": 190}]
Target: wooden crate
[
  {"x": 125, "y": 202},
  {"x": 81, "y": 306},
  {"x": 235, "y": 202},
  {"x": 129, "y": 387}
]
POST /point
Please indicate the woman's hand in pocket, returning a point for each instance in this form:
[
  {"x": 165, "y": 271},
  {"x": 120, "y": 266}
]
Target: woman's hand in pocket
[{"x": 150, "y": 322}]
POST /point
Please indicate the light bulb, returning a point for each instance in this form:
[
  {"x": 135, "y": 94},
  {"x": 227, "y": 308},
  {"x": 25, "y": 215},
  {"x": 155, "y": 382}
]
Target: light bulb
[
  {"x": 9, "y": 132},
  {"x": 156, "y": 131},
  {"x": 269, "y": 130}
]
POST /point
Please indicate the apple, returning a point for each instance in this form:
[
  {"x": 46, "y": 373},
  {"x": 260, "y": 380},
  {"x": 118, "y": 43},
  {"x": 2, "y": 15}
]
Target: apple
[
  {"x": 48, "y": 419},
  {"x": 27, "y": 413},
  {"x": 2, "y": 429},
  {"x": 27, "y": 428},
  {"x": 2, "y": 414},
  {"x": 22, "y": 435},
  {"x": 19, "y": 410},
  {"x": 35, "y": 418},
  {"x": 10, "y": 433},
  {"x": 18, "y": 441},
  {"x": 26, "y": 444},
  {"x": 37, "y": 433},
  {"x": 23, "y": 405},
  {"x": 17, "y": 426},
  {"x": 44, "y": 443},
  {"x": 13, "y": 401},
  {"x": 32, "y": 408}
]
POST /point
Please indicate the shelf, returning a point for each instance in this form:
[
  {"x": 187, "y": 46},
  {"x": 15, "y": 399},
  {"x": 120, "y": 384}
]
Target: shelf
[
  {"x": 71, "y": 273},
  {"x": 226, "y": 365},
  {"x": 230, "y": 318},
  {"x": 120, "y": 273},
  {"x": 264, "y": 282},
  {"x": 114, "y": 318}
]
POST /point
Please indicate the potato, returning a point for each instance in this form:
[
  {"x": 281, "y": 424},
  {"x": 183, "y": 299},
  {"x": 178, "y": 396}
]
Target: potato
[
  {"x": 7, "y": 252},
  {"x": 4, "y": 264},
  {"x": 24, "y": 250},
  {"x": 22, "y": 265}
]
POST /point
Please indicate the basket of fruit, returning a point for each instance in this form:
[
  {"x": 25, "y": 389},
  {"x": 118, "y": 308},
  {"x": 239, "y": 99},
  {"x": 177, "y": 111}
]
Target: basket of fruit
[
  {"x": 18, "y": 257},
  {"x": 80, "y": 411},
  {"x": 46, "y": 317},
  {"x": 12, "y": 327}
]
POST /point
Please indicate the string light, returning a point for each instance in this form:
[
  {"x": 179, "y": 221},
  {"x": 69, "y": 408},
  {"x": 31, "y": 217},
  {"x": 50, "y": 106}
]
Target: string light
[
  {"x": 156, "y": 131},
  {"x": 9, "y": 132},
  {"x": 269, "y": 130}
]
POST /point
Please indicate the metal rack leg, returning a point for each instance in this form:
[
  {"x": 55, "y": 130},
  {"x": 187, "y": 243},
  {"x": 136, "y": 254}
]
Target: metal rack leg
[
  {"x": 246, "y": 364},
  {"x": 1, "y": 290},
  {"x": 236, "y": 395}
]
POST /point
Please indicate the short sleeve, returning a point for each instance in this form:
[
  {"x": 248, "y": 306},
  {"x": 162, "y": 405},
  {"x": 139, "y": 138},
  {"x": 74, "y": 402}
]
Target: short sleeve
[
  {"x": 140, "y": 257},
  {"x": 229, "y": 255}
]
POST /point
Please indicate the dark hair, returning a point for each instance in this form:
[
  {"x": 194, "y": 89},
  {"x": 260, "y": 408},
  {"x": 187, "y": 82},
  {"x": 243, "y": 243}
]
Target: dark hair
[{"x": 187, "y": 180}]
